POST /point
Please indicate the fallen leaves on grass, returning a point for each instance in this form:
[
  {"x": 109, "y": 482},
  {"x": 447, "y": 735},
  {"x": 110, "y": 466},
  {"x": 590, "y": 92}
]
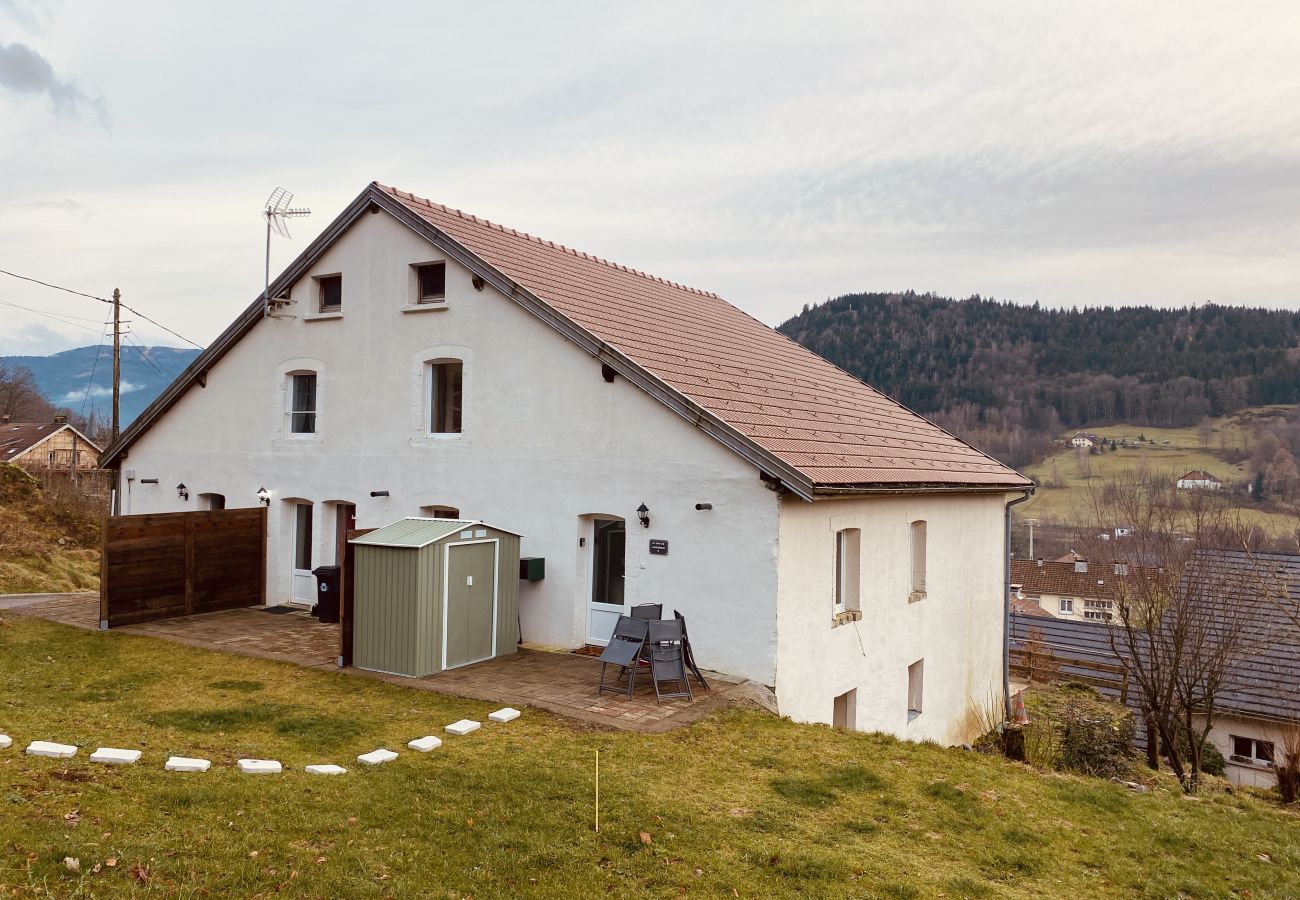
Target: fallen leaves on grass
[
  {"x": 71, "y": 864},
  {"x": 645, "y": 838}
]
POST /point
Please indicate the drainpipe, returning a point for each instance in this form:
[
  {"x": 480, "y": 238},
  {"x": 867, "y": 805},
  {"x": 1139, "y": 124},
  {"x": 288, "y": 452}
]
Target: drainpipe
[{"x": 1006, "y": 609}]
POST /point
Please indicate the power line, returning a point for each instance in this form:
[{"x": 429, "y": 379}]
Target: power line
[
  {"x": 139, "y": 348},
  {"x": 66, "y": 320},
  {"x": 90, "y": 382},
  {"x": 54, "y": 286},
  {"x": 163, "y": 327}
]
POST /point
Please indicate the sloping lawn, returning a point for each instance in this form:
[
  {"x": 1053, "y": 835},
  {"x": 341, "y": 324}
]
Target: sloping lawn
[{"x": 741, "y": 802}]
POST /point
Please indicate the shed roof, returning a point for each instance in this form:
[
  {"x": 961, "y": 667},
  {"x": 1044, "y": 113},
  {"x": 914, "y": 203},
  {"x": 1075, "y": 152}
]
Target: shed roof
[{"x": 416, "y": 531}]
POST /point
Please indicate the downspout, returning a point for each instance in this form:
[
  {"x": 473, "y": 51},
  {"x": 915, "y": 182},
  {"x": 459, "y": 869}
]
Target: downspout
[{"x": 1006, "y": 609}]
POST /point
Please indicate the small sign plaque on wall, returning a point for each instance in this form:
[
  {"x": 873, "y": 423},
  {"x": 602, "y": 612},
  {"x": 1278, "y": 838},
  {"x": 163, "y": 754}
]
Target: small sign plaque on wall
[{"x": 658, "y": 547}]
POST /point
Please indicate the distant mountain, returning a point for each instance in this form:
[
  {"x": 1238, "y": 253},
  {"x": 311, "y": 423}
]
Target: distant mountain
[{"x": 66, "y": 378}]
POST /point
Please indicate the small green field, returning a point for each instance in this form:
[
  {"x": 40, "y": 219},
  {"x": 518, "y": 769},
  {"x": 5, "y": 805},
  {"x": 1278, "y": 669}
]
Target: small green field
[
  {"x": 741, "y": 804},
  {"x": 1066, "y": 476}
]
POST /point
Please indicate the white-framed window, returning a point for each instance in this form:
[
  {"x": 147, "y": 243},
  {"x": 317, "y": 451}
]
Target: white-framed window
[
  {"x": 329, "y": 293},
  {"x": 1098, "y": 610},
  {"x": 915, "y": 688},
  {"x": 848, "y": 550},
  {"x": 301, "y": 411},
  {"x": 918, "y": 560},
  {"x": 1067, "y": 606},
  {"x": 430, "y": 282},
  {"x": 444, "y": 390},
  {"x": 1252, "y": 750}
]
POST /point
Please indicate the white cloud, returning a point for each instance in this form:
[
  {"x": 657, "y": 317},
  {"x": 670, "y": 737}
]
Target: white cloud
[{"x": 96, "y": 392}]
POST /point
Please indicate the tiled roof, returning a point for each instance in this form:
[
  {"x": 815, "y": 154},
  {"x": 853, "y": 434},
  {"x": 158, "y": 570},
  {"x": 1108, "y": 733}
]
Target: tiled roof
[
  {"x": 18, "y": 437},
  {"x": 835, "y": 430},
  {"x": 1198, "y": 475},
  {"x": 1058, "y": 577},
  {"x": 1024, "y": 607}
]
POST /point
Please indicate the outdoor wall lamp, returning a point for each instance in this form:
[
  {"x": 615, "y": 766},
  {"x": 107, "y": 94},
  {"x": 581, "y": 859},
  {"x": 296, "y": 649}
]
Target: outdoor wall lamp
[
  {"x": 182, "y": 491},
  {"x": 643, "y": 513},
  {"x": 263, "y": 496}
]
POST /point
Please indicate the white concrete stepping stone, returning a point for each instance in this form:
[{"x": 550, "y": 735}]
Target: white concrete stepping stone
[
  {"x": 50, "y": 749},
  {"x": 186, "y": 764},
  {"x": 464, "y": 726},
  {"x": 509, "y": 714},
  {"x": 327, "y": 769},
  {"x": 260, "y": 766},
  {"x": 425, "y": 744},
  {"x": 375, "y": 757},
  {"x": 115, "y": 757},
  {"x": 5, "y": 741}
]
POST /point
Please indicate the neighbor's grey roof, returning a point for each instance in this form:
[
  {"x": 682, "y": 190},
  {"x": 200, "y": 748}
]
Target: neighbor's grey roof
[
  {"x": 418, "y": 532},
  {"x": 1265, "y": 681}
]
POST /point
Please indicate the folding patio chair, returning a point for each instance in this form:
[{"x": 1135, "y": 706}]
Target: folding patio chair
[
  {"x": 623, "y": 650},
  {"x": 648, "y": 611},
  {"x": 668, "y": 660},
  {"x": 690, "y": 654}
]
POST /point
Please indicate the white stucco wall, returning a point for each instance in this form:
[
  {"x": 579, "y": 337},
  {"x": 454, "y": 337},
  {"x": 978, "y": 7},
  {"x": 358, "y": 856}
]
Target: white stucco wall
[
  {"x": 546, "y": 440},
  {"x": 956, "y": 628},
  {"x": 1246, "y": 773}
]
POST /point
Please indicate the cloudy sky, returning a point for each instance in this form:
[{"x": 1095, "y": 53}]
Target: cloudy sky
[{"x": 778, "y": 154}]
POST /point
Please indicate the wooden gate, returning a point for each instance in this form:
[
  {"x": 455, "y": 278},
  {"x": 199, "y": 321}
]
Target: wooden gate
[{"x": 176, "y": 564}]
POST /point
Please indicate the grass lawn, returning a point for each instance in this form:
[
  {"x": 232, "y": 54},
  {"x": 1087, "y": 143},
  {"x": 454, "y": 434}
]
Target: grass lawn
[{"x": 742, "y": 804}]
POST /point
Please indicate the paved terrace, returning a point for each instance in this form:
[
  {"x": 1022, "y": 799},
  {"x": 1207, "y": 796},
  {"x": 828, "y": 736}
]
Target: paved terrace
[{"x": 558, "y": 681}]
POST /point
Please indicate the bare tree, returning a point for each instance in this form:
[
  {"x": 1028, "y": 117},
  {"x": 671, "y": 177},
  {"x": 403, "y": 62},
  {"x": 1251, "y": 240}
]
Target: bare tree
[
  {"x": 20, "y": 399},
  {"x": 1168, "y": 624}
]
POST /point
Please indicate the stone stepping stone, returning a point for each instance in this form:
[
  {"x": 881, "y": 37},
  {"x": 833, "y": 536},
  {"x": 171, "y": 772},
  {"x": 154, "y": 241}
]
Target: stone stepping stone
[
  {"x": 425, "y": 744},
  {"x": 185, "y": 764},
  {"x": 5, "y": 741},
  {"x": 509, "y": 714},
  {"x": 327, "y": 769},
  {"x": 52, "y": 750},
  {"x": 464, "y": 726},
  {"x": 375, "y": 757},
  {"x": 115, "y": 757},
  {"x": 260, "y": 766}
]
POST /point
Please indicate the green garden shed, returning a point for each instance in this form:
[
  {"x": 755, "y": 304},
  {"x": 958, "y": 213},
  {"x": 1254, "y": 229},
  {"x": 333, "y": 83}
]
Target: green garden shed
[{"x": 434, "y": 594}]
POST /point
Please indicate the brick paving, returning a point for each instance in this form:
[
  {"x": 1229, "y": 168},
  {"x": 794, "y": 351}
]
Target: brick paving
[{"x": 561, "y": 682}]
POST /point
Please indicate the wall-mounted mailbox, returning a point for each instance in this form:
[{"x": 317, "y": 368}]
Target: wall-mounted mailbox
[{"x": 532, "y": 568}]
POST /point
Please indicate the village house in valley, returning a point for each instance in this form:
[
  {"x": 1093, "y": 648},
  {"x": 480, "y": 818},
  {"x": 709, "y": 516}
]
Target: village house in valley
[
  {"x": 1085, "y": 440},
  {"x": 650, "y": 441},
  {"x": 1198, "y": 480},
  {"x": 52, "y": 445}
]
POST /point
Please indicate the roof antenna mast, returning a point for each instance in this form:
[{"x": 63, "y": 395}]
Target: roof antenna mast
[{"x": 277, "y": 213}]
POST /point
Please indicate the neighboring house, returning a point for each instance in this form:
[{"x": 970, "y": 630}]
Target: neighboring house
[
  {"x": 1198, "y": 480},
  {"x": 652, "y": 442},
  {"x": 1085, "y": 440},
  {"x": 47, "y": 446},
  {"x": 1072, "y": 587},
  {"x": 1260, "y": 701}
]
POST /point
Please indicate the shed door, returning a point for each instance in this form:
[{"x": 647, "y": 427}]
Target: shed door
[{"x": 469, "y": 633}]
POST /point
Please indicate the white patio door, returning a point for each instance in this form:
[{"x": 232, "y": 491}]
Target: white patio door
[
  {"x": 303, "y": 589},
  {"x": 608, "y": 566}
]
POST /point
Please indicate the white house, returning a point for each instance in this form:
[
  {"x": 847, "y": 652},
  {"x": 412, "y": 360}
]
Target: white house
[
  {"x": 1198, "y": 480},
  {"x": 1085, "y": 440},
  {"x": 819, "y": 538}
]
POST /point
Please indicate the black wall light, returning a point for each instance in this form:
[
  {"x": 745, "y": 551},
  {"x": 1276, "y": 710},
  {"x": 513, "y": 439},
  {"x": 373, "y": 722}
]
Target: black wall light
[
  {"x": 182, "y": 491},
  {"x": 263, "y": 496},
  {"x": 643, "y": 513},
  {"x": 379, "y": 493}
]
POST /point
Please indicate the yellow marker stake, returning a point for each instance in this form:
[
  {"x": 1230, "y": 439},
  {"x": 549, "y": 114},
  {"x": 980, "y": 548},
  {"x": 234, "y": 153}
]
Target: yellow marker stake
[{"x": 597, "y": 792}]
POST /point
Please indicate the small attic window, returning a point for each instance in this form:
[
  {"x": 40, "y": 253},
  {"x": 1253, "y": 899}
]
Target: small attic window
[
  {"x": 431, "y": 282},
  {"x": 331, "y": 292}
]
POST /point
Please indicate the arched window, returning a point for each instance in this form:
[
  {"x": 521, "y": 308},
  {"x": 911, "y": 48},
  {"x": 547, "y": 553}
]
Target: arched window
[
  {"x": 300, "y": 411},
  {"x": 443, "y": 392},
  {"x": 918, "y": 560}
]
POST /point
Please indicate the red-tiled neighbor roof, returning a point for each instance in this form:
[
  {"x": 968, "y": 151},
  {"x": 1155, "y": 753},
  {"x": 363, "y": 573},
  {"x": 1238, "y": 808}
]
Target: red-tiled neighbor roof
[
  {"x": 1059, "y": 577},
  {"x": 819, "y": 419}
]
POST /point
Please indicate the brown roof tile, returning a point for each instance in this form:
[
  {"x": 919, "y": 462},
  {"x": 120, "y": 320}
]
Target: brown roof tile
[
  {"x": 1059, "y": 578},
  {"x": 18, "y": 437},
  {"x": 820, "y": 420}
]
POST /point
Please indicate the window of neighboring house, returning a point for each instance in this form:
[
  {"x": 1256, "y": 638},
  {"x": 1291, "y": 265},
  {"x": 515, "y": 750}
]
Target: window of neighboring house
[
  {"x": 1097, "y": 610},
  {"x": 331, "y": 292},
  {"x": 848, "y": 544},
  {"x": 444, "y": 378},
  {"x": 918, "y": 560},
  {"x": 915, "y": 688},
  {"x": 1252, "y": 750},
  {"x": 1067, "y": 606},
  {"x": 845, "y": 710},
  {"x": 302, "y": 403},
  {"x": 440, "y": 512},
  {"x": 431, "y": 282}
]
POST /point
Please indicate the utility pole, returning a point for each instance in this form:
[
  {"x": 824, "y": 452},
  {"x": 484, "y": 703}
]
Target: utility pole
[
  {"x": 117, "y": 358},
  {"x": 1030, "y": 523}
]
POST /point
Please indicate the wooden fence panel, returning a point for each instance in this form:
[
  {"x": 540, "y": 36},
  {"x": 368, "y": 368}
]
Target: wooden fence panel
[{"x": 163, "y": 565}]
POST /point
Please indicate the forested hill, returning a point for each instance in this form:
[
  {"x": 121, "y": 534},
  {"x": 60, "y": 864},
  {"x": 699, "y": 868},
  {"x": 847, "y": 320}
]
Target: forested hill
[{"x": 986, "y": 366}]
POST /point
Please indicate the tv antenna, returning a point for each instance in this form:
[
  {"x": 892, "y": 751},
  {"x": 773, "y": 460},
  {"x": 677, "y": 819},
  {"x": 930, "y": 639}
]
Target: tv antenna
[{"x": 277, "y": 213}]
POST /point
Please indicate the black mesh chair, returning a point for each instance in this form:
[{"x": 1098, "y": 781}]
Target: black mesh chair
[
  {"x": 623, "y": 650},
  {"x": 690, "y": 654},
  {"x": 648, "y": 611},
  {"x": 668, "y": 659}
]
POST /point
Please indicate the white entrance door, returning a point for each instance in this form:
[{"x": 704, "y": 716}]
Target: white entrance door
[
  {"x": 304, "y": 583},
  {"x": 608, "y": 554}
]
